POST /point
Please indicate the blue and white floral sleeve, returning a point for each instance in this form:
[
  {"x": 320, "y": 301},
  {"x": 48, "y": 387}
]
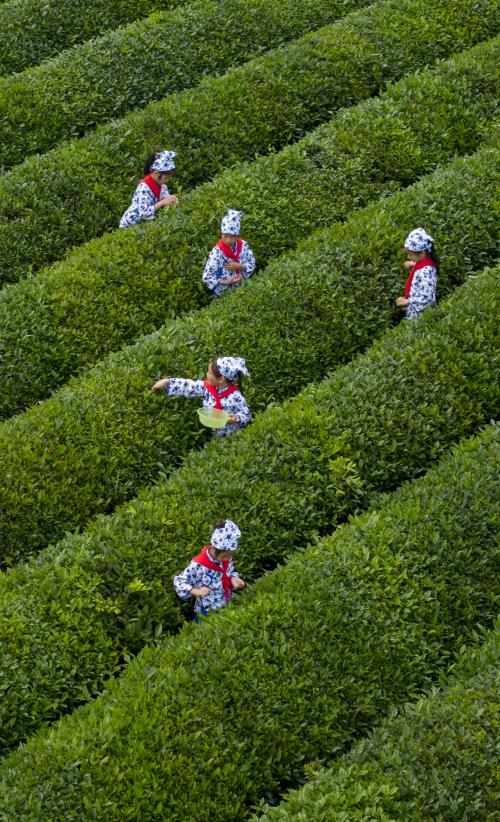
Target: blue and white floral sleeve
[
  {"x": 197, "y": 576},
  {"x": 143, "y": 205},
  {"x": 240, "y": 407},
  {"x": 422, "y": 291},
  {"x": 190, "y": 577},
  {"x": 247, "y": 257},
  {"x": 214, "y": 269},
  {"x": 146, "y": 201},
  {"x": 178, "y": 387}
]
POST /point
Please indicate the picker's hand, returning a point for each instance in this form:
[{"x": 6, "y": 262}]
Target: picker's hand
[
  {"x": 231, "y": 280},
  {"x": 237, "y": 583},
  {"x": 170, "y": 200},
  {"x": 233, "y": 266},
  {"x": 408, "y": 264},
  {"x": 158, "y": 386},
  {"x": 232, "y": 418},
  {"x": 200, "y": 592},
  {"x": 401, "y": 302}
]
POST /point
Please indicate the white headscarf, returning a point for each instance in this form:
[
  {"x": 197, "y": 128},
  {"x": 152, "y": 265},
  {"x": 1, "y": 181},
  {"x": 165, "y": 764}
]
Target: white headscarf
[
  {"x": 418, "y": 240},
  {"x": 226, "y": 538},
  {"x": 164, "y": 161},
  {"x": 231, "y": 222},
  {"x": 230, "y": 367}
]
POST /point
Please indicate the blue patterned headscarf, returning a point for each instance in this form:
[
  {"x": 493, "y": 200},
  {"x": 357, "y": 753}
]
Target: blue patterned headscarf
[
  {"x": 226, "y": 538},
  {"x": 230, "y": 367},
  {"x": 418, "y": 240},
  {"x": 164, "y": 161},
  {"x": 231, "y": 222}
]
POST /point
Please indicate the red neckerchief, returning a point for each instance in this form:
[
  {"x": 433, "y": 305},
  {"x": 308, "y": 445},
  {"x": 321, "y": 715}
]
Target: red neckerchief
[
  {"x": 212, "y": 389},
  {"x": 420, "y": 264},
  {"x": 228, "y": 251},
  {"x": 152, "y": 185},
  {"x": 205, "y": 559}
]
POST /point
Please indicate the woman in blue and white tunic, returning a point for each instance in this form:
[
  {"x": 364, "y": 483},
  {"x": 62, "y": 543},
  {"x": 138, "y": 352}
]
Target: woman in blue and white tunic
[
  {"x": 231, "y": 259},
  {"x": 210, "y": 577},
  {"x": 218, "y": 390},
  {"x": 423, "y": 265},
  {"x": 152, "y": 192}
]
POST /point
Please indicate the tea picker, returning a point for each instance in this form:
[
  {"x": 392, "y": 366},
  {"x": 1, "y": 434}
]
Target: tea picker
[
  {"x": 423, "y": 265},
  {"x": 210, "y": 577},
  {"x": 231, "y": 260},
  {"x": 225, "y": 408},
  {"x": 152, "y": 192}
]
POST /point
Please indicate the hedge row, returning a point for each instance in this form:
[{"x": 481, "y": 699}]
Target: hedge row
[
  {"x": 122, "y": 285},
  {"x": 104, "y": 78},
  {"x": 279, "y": 97},
  {"x": 321, "y": 649},
  {"x": 44, "y": 28},
  {"x": 100, "y": 438},
  {"x": 72, "y": 615},
  {"x": 94, "y": 443},
  {"x": 437, "y": 760}
]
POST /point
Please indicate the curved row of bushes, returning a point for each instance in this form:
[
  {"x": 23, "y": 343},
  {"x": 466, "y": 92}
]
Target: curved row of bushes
[
  {"x": 273, "y": 100},
  {"x": 42, "y": 29},
  {"x": 126, "y": 284},
  {"x": 436, "y": 760},
  {"x": 319, "y": 651},
  {"x": 104, "y": 78},
  {"x": 73, "y": 614},
  {"x": 97, "y": 440}
]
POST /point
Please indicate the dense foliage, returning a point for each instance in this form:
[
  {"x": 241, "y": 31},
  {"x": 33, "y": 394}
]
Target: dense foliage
[
  {"x": 296, "y": 472},
  {"x": 168, "y": 51},
  {"x": 437, "y": 760},
  {"x": 127, "y": 283},
  {"x": 50, "y": 27},
  {"x": 96, "y": 441},
  {"x": 366, "y": 577},
  {"x": 80, "y": 189},
  {"x": 323, "y": 648}
]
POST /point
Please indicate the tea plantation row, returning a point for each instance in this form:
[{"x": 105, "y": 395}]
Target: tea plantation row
[
  {"x": 166, "y": 52},
  {"x": 272, "y": 99},
  {"x": 80, "y": 452},
  {"x": 46, "y": 28},
  {"x": 437, "y": 760},
  {"x": 127, "y": 283},
  {"x": 361, "y": 622},
  {"x": 94, "y": 443},
  {"x": 69, "y": 617}
]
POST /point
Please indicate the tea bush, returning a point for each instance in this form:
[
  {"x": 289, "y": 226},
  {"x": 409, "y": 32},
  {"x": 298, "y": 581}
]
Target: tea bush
[
  {"x": 46, "y": 28},
  {"x": 299, "y": 470},
  {"x": 99, "y": 439},
  {"x": 95, "y": 442},
  {"x": 127, "y": 68},
  {"x": 318, "y": 652},
  {"x": 128, "y": 283},
  {"x": 436, "y": 760},
  {"x": 279, "y": 97}
]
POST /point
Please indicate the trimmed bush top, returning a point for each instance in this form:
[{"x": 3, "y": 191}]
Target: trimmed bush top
[
  {"x": 46, "y": 28},
  {"x": 437, "y": 760},
  {"x": 279, "y": 97},
  {"x": 127, "y": 283},
  {"x": 166, "y": 52},
  {"x": 320, "y": 650},
  {"x": 302, "y": 467}
]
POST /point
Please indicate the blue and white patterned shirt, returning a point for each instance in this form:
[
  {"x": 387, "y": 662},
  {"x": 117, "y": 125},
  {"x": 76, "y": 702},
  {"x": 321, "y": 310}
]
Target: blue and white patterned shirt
[
  {"x": 215, "y": 271},
  {"x": 235, "y": 403},
  {"x": 197, "y": 576},
  {"x": 143, "y": 205},
  {"x": 422, "y": 291}
]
